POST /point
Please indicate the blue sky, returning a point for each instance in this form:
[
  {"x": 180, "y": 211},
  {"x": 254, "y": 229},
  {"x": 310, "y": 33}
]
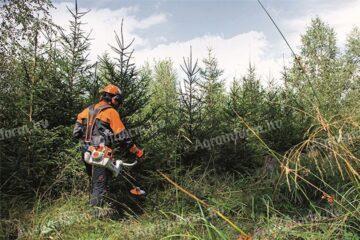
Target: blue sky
[{"x": 238, "y": 31}]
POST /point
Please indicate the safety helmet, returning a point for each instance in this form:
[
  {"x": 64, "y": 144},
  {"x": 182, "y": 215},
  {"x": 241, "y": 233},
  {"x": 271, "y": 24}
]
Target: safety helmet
[
  {"x": 112, "y": 93},
  {"x": 111, "y": 89}
]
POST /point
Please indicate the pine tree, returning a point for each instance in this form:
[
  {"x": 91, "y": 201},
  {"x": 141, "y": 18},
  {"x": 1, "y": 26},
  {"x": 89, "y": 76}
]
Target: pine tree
[
  {"x": 76, "y": 47},
  {"x": 252, "y": 97},
  {"x": 165, "y": 123},
  {"x": 212, "y": 107},
  {"x": 72, "y": 73},
  {"x": 244, "y": 103},
  {"x": 190, "y": 99},
  {"x": 212, "y": 94},
  {"x": 164, "y": 94},
  {"x": 233, "y": 103}
]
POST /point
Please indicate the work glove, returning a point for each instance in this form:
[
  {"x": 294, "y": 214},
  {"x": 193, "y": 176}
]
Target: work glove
[{"x": 139, "y": 153}]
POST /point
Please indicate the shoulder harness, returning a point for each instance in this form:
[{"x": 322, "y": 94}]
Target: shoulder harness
[{"x": 91, "y": 120}]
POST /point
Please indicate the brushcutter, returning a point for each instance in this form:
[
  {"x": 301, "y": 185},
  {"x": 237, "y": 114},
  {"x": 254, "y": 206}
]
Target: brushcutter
[{"x": 101, "y": 156}]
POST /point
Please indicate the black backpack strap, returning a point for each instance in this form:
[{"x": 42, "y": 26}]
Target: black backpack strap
[{"x": 93, "y": 112}]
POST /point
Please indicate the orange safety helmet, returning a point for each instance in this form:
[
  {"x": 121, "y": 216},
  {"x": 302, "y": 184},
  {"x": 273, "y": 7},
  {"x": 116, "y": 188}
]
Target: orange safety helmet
[
  {"x": 112, "y": 89},
  {"x": 115, "y": 93}
]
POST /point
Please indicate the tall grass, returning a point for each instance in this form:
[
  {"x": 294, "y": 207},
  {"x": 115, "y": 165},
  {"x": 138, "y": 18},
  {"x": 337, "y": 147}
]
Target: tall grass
[{"x": 252, "y": 204}]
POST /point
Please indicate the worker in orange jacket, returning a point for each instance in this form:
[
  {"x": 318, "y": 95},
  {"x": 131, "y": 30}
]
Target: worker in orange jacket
[{"x": 101, "y": 125}]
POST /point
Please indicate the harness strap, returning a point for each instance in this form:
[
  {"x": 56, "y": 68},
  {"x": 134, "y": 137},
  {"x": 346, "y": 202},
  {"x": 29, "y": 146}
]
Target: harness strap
[{"x": 91, "y": 120}]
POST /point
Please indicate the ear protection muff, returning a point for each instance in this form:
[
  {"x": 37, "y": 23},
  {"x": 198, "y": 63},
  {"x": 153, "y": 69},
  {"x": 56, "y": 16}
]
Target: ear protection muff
[
  {"x": 117, "y": 99},
  {"x": 107, "y": 97}
]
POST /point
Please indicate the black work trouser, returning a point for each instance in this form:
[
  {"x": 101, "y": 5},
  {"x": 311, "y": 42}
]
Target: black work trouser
[{"x": 99, "y": 178}]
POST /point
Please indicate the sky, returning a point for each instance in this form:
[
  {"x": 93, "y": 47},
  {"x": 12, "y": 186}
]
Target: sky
[{"x": 238, "y": 31}]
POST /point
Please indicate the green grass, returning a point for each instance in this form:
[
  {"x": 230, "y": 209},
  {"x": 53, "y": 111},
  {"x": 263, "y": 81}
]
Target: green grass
[{"x": 252, "y": 205}]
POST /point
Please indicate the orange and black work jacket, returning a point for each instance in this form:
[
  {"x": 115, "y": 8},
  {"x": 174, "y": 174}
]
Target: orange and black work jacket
[{"x": 106, "y": 127}]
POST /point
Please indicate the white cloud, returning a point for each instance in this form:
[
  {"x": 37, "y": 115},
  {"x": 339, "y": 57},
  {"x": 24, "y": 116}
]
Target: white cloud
[
  {"x": 233, "y": 54},
  {"x": 151, "y": 21},
  {"x": 103, "y": 22}
]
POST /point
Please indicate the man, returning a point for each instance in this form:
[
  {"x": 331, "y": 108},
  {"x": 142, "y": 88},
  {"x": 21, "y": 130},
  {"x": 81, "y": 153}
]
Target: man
[{"x": 100, "y": 125}]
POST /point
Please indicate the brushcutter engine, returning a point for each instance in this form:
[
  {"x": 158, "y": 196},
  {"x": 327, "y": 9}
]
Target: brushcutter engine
[{"x": 102, "y": 156}]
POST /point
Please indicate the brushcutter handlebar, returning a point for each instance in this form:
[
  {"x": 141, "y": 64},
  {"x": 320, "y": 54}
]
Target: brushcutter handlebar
[
  {"x": 117, "y": 166},
  {"x": 127, "y": 164}
]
